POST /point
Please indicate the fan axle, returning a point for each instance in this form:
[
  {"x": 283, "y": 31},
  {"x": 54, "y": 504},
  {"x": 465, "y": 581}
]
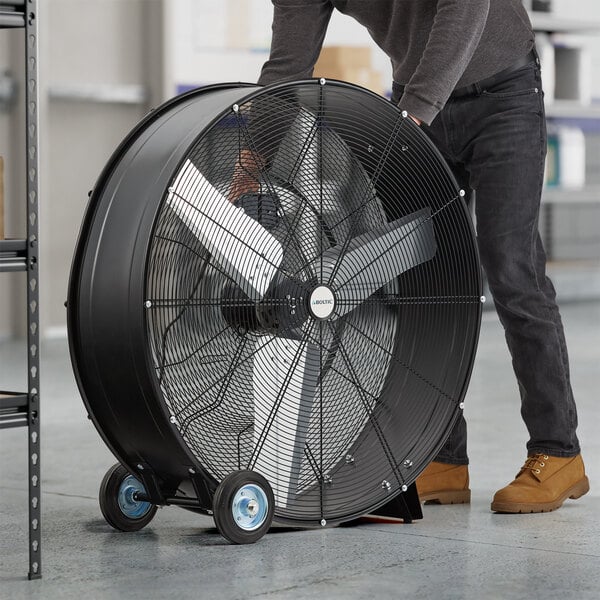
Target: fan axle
[{"x": 283, "y": 308}]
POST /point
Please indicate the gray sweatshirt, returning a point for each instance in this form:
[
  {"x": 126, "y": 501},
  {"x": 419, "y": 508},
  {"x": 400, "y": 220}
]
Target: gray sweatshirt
[{"x": 434, "y": 45}]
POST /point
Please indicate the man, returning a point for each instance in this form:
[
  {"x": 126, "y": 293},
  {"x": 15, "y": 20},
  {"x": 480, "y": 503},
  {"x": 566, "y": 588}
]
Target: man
[{"x": 466, "y": 70}]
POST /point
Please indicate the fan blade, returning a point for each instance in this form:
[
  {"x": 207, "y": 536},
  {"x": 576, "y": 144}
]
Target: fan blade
[
  {"x": 243, "y": 248},
  {"x": 285, "y": 380},
  {"x": 373, "y": 259}
]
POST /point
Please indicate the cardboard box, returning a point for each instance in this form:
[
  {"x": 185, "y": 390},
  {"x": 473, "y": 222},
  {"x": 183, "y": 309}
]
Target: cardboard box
[
  {"x": 358, "y": 57},
  {"x": 347, "y": 63}
]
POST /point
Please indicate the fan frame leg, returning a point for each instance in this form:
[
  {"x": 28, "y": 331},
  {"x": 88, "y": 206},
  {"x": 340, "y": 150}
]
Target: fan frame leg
[{"x": 405, "y": 506}]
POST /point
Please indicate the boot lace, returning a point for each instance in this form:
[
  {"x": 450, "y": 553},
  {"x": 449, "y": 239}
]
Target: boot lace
[{"x": 535, "y": 463}]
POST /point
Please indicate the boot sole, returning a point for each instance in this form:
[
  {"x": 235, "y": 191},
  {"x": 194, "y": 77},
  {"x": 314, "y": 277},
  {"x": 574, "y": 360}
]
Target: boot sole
[
  {"x": 447, "y": 497},
  {"x": 576, "y": 491}
]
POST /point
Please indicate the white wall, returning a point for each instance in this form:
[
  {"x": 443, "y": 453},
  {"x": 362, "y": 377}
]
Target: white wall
[
  {"x": 98, "y": 48},
  {"x": 228, "y": 40},
  {"x": 214, "y": 41},
  {"x": 12, "y": 135},
  {"x": 94, "y": 47}
]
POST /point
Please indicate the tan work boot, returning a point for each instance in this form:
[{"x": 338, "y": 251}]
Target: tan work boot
[
  {"x": 442, "y": 483},
  {"x": 543, "y": 484}
]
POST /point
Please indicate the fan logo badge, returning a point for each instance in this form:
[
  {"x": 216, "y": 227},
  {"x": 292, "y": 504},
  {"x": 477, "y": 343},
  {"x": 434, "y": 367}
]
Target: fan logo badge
[{"x": 322, "y": 302}]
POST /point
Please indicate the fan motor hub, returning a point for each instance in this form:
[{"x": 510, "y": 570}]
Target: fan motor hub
[
  {"x": 286, "y": 307},
  {"x": 283, "y": 308},
  {"x": 322, "y": 302}
]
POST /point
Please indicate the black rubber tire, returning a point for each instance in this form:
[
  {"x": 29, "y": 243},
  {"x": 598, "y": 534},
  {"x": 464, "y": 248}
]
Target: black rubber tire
[
  {"x": 109, "y": 502},
  {"x": 223, "y": 507}
]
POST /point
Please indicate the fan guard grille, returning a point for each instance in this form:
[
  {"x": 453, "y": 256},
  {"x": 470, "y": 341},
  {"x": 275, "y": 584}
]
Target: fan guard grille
[
  {"x": 321, "y": 333},
  {"x": 340, "y": 413}
]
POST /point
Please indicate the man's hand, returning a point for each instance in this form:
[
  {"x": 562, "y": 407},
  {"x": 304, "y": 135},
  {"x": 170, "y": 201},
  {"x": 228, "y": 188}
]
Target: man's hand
[
  {"x": 417, "y": 121},
  {"x": 246, "y": 173}
]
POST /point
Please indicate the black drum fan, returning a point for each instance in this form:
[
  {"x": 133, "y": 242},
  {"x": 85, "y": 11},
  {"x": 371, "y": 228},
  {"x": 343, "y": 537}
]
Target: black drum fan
[{"x": 298, "y": 352}]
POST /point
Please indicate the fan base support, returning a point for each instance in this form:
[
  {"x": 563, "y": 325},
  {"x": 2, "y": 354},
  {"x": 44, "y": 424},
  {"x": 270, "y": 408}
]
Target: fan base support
[{"x": 403, "y": 508}]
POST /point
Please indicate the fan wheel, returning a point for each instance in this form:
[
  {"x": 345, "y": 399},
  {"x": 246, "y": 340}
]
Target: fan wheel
[
  {"x": 243, "y": 507},
  {"x": 119, "y": 501}
]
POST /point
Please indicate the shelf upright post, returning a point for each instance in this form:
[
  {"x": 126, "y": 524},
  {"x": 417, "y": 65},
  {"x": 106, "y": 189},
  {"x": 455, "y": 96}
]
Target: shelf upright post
[
  {"x": 33, "y": 325},
  {"x": 19, "y": 409}
]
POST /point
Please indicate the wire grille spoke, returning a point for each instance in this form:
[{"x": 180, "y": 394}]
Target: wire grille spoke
[
  {"x": 312, "y": 133},
  {"x": 369, "y": 410},
  {"x": 399, "y": 300},
  {"x": 385, "y": 155},
  {"x": 265, "y": 176},
  {"x": 186, "y": 421},
  {"x": 403, "y": 364}
]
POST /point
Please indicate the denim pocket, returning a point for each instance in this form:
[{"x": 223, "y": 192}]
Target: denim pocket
[
  {"x": 511, "y": 94},
  {"x": 522, "y": 82}
]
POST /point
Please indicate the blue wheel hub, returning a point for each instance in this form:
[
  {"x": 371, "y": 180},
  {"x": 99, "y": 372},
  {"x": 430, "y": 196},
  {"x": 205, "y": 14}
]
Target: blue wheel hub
[
  {"x": 129, "y": 505},
  {"x": 250, "y": 507}
]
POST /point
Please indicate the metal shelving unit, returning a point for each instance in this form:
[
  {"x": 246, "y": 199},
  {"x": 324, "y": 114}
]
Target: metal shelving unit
[
  {"x": 22, "y": 409},
  {"x": 570, "y": 110}
]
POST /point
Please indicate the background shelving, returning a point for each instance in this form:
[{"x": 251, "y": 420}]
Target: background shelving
[{"x": 22, "y": 409}]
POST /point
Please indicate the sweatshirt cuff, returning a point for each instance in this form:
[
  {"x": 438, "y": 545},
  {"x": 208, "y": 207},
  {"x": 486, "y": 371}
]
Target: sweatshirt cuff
[{"x": 417, "y": 107}]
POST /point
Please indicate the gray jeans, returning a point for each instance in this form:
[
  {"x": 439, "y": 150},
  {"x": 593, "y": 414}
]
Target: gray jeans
[{"x": 495, "y": 142}]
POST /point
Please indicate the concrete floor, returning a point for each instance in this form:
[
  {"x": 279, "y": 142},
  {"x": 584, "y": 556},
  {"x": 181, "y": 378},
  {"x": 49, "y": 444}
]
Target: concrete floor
[{"x": 454, "y": 552}]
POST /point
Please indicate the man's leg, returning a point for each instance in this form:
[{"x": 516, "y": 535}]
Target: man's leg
[
  {"x": 500, "y": 136},
  {"x": 506, "y": 166}
]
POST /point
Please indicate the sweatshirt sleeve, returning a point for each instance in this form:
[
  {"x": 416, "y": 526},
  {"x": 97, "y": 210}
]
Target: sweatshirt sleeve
[
  {"x": 298, "y": 32},
  {"x": 453, "y": 39}
]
